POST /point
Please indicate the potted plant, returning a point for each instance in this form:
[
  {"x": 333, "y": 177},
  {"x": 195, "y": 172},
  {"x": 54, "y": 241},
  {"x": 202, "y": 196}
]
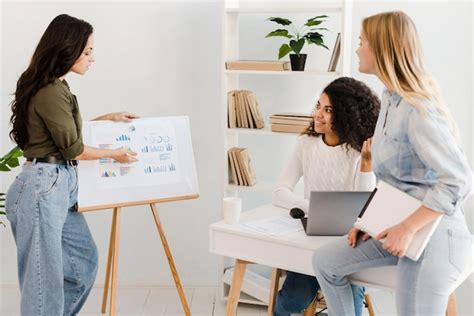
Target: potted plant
[
  {"x": 307, "y": 33},
  {"x": 7, "y": 163}
]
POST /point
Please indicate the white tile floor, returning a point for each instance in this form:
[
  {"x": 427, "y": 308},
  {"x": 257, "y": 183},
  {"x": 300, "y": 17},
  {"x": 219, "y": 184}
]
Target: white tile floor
[{"x": 164, "y": 301}]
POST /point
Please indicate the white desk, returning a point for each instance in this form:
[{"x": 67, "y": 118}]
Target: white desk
[{"x": 291, "y": 252}]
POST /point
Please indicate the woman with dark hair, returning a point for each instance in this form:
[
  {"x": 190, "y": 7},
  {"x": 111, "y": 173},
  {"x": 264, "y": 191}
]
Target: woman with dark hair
[
  {"x": 57, "y": 257},
  {"x": 332, "y": 155}
]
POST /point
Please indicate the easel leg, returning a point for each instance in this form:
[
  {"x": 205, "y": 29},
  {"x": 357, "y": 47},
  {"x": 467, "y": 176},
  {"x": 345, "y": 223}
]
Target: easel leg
[
  {"x": 113, "y": 290},
  {"x": 174, "y": 272},
  {"x": 276, "y": 273},
  {"x": 109, "y": 262},
  {"x": 237, "y": 280}
]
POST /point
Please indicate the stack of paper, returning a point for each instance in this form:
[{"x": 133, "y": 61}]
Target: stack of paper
[{"x": 274, "y": 226}]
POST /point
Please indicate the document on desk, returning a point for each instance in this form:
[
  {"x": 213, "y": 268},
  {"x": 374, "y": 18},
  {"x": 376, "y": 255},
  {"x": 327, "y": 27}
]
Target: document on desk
[{"x": 274, "y": 226}]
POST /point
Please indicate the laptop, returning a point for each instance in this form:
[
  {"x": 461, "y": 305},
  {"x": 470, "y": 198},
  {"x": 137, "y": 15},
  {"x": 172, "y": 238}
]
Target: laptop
[{"x": 333, "y": 213}]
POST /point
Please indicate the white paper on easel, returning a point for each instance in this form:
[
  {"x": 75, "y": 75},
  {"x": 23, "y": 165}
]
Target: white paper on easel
[
  {"x": 165, "y": 168},
  {"x": 390, "y": 206},
  {"x": 156, "y": 149}
]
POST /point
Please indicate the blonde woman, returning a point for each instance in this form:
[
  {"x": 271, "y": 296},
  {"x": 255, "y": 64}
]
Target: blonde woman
[{"x": 414, "y": 149}]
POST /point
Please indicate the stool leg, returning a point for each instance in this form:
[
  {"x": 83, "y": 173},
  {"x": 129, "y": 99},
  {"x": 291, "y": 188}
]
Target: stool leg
[
  {"x": 370, "y": 306},
  {"x": 451, "y": 309}
]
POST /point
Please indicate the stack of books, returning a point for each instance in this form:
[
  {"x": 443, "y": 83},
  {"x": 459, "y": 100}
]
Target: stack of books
[
  {"x": 261, "y": 65},
  {"x": 243, "y": 110},
  {"x": 291, "y": 122},
  {"x": 241, "y": 172}
]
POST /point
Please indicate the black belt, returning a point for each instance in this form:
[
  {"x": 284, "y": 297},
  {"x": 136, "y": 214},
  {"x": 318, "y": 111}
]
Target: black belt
[{"x": 54, "y": 160}]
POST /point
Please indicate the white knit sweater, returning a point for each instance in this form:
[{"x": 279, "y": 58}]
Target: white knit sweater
[{"x": 324, "y": 168}]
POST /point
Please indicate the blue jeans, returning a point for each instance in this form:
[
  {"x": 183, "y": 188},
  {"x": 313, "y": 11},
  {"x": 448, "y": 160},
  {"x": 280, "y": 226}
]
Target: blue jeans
[
  {"x": 57, "y": 257},
  {"x": 423, "y": 286},
  {"x": 299, "y": 290}
]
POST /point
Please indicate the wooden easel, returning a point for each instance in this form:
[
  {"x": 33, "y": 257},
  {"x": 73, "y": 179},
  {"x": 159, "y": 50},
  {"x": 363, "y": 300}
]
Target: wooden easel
[{"x": 112, "y": 259}]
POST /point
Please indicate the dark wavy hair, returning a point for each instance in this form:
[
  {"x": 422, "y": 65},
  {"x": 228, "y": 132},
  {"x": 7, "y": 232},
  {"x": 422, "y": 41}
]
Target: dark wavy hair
[
  {"x": 58, "y": 49},
  {"x": 355, "y": 109}
]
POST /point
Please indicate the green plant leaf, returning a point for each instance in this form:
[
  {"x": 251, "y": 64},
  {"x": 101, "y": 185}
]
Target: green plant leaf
[
  {"x": 318, "y": 17},
  {"x": 315, "y": 38},
  {"x": 313, "y": 23},
  {"x": 279, "y": 20},
  {"x": 4, "y": 168},
  {"x": 279, "y": 32},
  {"x": 284, "y": 50},
  {"x": 2, "y": 194},
  {"x": 319, "y": 29},
  {"x": 12, "y": 163},
  {"x": 297, "y": 46}
]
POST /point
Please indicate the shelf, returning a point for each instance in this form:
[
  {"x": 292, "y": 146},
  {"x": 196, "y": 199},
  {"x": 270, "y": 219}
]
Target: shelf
[
  {"x": 284, "y": 73},
  {"x": 254, "y": 131},
  {"x": 260, "y": 186}
]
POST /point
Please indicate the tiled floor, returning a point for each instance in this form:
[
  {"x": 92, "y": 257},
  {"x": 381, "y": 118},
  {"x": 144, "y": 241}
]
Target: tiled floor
[{"x": 164, "y": 301}]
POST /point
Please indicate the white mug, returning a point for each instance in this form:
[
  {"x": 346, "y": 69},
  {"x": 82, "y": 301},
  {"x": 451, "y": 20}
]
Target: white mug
[{"x": 231, "y": 209}]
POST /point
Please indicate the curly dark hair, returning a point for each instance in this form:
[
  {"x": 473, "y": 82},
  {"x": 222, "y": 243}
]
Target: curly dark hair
[{"x": 355, "y": 109}]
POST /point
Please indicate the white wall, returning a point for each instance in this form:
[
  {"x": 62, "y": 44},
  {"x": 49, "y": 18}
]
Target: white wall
[{"x": 153, "y": 58}]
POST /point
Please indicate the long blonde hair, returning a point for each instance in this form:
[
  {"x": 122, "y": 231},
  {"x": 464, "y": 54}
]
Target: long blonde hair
[{"x": 393, "y": 38}]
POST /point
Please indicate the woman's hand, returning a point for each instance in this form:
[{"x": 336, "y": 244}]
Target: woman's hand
[
  {"x": 366, "y": 156},
  {"x": 122, "y": 116},
  {"x": 352, "y": 237},
  {"x": 123, "y": 155},
  {"x": 397, "y": 239},
  {"x": 117, "y": 117}
]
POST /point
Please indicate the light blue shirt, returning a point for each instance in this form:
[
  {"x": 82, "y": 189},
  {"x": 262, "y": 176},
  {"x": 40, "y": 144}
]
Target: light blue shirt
[{"x": 417, "y": 153}]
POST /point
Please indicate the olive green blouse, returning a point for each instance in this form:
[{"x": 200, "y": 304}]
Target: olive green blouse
[{"x": 55, "y": 123}]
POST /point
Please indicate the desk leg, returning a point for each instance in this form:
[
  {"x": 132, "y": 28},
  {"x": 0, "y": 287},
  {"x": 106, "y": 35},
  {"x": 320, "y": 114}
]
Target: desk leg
[
  {"x": 174, "y": 272},
  {"x": 276, "y": 273},
  {"x": 109, "y": 262},
  {"x": 237, "y": 280},
  {"x": 113, "y": 290}
]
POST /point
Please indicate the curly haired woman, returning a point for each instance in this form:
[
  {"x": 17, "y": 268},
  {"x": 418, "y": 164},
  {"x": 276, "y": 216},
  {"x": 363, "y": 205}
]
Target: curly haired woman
[{"x": 333, "y": 155}]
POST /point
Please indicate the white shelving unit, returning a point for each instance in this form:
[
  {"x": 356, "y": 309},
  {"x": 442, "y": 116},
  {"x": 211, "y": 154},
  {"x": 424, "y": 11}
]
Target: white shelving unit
[{"x": 235, "y": 14}]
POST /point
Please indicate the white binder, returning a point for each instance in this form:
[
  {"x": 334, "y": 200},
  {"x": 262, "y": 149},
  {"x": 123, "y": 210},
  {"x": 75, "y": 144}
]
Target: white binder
[{"x": 389, "y": 206}]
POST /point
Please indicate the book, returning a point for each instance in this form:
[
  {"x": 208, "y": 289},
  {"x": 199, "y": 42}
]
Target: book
[
  {"x": 294, "y": 115},
  {"x": 335, "y": 54},
  {"x": 232, "y": 174},
  {"x": 236, "y": 165},
  {"x": 241, "y": 171},
  {"x": 285, "y": 128},
  {"x": 231, "y": 114},
  {"x": 254, "y": 109},
  {"x": 389, "y": 206},
  {"x": 277, "y": 120},
  {"x": 247, "y": 168},
  {"x": 243, "y": 110},
  {"x": 269, "y": 65}
]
